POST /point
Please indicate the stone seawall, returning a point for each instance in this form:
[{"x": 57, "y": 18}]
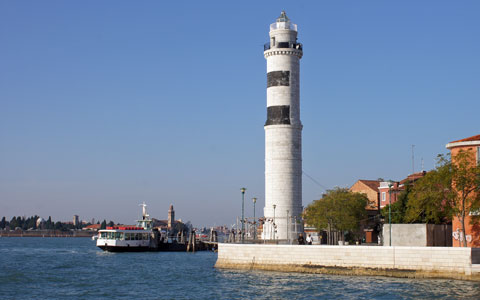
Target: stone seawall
[{"x": 412, "y": 262}]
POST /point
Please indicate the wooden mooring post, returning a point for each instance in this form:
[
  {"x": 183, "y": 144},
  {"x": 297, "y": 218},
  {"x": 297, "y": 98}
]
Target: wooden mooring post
[{"x": 191, "y": 242}]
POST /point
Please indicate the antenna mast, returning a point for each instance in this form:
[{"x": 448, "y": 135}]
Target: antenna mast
[{"x": 413, "y": 160}]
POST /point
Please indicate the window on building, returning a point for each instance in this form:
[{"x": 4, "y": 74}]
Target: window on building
[{"x": 384, "y": 195}]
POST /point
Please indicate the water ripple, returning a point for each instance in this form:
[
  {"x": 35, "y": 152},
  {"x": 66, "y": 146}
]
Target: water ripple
[{"x": 60, "y": 268}]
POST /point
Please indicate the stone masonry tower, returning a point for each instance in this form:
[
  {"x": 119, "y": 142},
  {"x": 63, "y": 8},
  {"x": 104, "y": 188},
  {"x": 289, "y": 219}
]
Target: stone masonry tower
[
  {"x": 283, "y": 133},
  {"x": 171, "y": 217}
]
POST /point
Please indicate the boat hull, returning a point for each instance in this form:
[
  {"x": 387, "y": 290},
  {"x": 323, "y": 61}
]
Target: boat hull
[
  {"x": 126, "y": 249},
  {"x": 171, "y": 247}
]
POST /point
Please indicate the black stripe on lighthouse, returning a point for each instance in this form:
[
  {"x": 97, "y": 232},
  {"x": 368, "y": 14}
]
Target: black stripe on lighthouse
[
  {"x": 278, "y": 78},
  {"x": 277, "y": 115}
]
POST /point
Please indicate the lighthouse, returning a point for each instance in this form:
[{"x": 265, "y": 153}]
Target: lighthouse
[{"x": 283, "y": 133}]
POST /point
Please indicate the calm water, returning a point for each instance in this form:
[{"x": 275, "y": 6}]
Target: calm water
[{"x": 73, "y": 268}]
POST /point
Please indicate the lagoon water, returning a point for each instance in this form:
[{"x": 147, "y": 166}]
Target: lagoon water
[{"x": 73, "y": 268}]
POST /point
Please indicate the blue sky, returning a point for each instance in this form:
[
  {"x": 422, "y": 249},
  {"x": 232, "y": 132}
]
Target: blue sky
[{"x": 106, "y": 104}]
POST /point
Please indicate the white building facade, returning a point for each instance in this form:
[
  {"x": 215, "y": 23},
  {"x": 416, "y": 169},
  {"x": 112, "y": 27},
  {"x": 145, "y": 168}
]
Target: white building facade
[{"x": 283, "y": 133}]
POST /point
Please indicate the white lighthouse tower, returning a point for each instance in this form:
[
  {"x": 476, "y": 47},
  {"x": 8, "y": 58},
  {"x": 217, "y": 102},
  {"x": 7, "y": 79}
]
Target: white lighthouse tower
[{"x": 283, "y": 133}]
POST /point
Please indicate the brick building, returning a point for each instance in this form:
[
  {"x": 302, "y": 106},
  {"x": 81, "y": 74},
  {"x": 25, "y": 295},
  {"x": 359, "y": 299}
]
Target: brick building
[
  {"x": 472, "y": 231},
  {"x": 396, "y": 188},
  {"x": 370, "y": 189}
]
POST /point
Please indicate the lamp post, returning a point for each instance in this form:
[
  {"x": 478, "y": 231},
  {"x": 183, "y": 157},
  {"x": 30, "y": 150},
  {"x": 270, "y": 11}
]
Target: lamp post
[
  {"x": 390, "y": 184},
  {"x": 243, "y": 211},
  {"x": 254, "y": 221},
  {"x": 274, "y": 206}
]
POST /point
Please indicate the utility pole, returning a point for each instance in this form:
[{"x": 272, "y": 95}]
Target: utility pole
[
  {"x": 254, "y": 220},
  {"x": 390, "y": 184},
  {"x": 413, "y": 160}
]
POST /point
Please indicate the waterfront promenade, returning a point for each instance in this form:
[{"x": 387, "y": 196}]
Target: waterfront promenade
[{"x": 406, "y": 262}]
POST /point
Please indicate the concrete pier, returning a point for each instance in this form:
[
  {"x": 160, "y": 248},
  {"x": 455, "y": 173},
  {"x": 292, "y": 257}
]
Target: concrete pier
[{"x": 409, "y": 262}]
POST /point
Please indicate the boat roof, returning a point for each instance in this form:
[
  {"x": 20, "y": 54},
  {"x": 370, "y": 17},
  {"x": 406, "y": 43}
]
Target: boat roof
[{"x": 123, "y": 228}]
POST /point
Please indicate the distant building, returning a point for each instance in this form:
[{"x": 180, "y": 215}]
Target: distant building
[
  {"x": 76, "y": 221},
  {"x": 171, "y": 217},
  {"x": 472, "y": 232},
  {"x": 370, "y": 189},
  {"x": 167, "y": 224},
  {"x": 385, "y": 190},
  {"x": 93, "y": 227},
  {"x": 40, "y": 223},
  {"x": 370, "y": 226}
]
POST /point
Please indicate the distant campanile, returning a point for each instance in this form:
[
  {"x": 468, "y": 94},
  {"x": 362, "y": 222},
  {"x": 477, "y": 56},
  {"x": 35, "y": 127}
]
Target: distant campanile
[{"x": 283, "y": 133}]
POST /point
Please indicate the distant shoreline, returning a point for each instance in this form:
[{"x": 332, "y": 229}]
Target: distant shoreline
[{"x": 74, "y": 234}]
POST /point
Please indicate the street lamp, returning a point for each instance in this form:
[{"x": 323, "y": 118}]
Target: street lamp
[
  {"x": 243, "y": 210},
  {"x": 254, "y": 221},
  {"x": 390, "y": 184},
  {"x": 274, "y": 206}
]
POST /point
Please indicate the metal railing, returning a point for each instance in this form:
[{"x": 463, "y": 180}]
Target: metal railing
[{"x": 283, "y": 45}]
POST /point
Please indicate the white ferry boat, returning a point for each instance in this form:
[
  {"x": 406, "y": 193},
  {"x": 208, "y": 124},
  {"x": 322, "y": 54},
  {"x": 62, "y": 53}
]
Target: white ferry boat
[{"x": 123, "y": 238}]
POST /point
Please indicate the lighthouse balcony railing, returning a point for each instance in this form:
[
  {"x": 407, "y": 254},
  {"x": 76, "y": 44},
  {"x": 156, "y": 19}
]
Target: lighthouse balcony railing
[{"x": 290, "y": 45}]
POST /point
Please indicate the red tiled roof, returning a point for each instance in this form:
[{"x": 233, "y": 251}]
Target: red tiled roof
[
  {"x": 373, "y": 184},
  {"x": 469, "y": 139},
  {"x": 93, "y": 226},
  {"x": 413, "y": 177}
]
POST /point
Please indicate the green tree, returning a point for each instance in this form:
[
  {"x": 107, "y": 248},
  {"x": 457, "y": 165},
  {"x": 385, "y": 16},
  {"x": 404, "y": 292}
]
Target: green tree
[
  {"x": 426, "y": 202},
  {"x": 452, "y": 189},
  {"x": 13, "y": 223},
  {"x": 3, "y": 223},
  {"x": 338, "y": 210},
  {"x": 104, "y": 225},
  {"x": 58, "y": 226},
  {"x": 464, "y": 196},
  {"x": 399, "y": 208},
  {"x": 49, "y": 223}
]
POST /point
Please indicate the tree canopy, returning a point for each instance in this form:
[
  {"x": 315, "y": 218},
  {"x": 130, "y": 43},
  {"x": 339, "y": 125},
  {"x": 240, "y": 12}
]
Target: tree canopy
[
  {"x": 427, "y": 200},
  {"x": 339, "y": 209},
  {"x": 452, "y": 189},
  {"x": 399, "y": 207}
]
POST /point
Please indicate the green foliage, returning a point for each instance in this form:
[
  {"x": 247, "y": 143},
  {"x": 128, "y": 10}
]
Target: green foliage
[
  {"x": 104, "y": 225},
  {"x": 339, "y": 209},
  {"x": 399, "y": 208},
  {"x": 21, "y": 222},
  {"x": 58, "y": 225},
  {"x": 427, "y": 200},
  {"x": 49, "y": 224},
  {"x": 452, "y": 189}
]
